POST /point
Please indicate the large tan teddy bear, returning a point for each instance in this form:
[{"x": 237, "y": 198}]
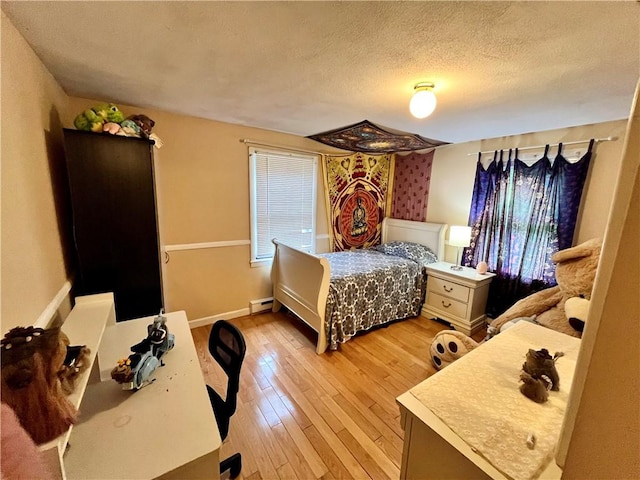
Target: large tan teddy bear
[{"x": 575, "y": 273}]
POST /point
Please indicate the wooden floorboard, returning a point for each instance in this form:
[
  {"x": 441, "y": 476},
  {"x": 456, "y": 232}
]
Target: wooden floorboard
[{"x": 306, "y": 416}]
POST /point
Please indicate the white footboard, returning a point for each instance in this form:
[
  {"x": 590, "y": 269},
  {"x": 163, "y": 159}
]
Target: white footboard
[{"x": 301, "y": 283}]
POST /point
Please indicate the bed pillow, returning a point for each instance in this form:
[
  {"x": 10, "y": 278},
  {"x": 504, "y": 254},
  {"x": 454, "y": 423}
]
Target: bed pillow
[{"x": 413, "y": 251}]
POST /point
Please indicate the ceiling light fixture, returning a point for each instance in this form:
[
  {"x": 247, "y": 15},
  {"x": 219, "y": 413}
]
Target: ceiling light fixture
[{"x": 423, "y": 102}]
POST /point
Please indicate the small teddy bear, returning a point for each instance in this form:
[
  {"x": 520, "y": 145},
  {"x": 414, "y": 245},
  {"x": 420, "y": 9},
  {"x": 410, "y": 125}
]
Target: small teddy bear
[
  {"x": 534, "y": 388},
  {"x": 144, "y": 123},
  {"x": 539, "y": 374},
  {"x": 540, "y": 364}
]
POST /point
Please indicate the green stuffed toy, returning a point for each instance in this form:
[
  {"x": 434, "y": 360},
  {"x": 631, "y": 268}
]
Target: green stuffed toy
[{"x": 93, "y": 119}]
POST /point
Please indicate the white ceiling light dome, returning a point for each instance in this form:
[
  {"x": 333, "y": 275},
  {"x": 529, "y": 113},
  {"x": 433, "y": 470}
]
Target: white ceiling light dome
[{"x": 423, "y": 102}]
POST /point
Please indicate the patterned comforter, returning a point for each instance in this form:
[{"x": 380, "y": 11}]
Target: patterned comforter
[{"x": 370, "y": 288}]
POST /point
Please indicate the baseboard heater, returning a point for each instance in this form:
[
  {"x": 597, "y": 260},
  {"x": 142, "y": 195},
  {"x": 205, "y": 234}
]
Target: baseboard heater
[{"x": 260, "y": 305}]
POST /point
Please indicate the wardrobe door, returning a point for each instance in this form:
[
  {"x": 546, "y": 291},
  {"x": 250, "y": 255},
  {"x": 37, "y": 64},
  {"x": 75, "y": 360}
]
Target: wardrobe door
[{"x": 114, "y": 219}]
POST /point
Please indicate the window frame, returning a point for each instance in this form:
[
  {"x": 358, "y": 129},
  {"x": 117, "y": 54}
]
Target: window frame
[{"x": 253, "y": 191}]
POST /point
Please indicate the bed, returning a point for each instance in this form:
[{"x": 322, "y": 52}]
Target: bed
[{"x": 312, "y": 286}]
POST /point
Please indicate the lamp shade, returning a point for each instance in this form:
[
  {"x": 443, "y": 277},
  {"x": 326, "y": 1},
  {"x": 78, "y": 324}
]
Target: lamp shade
[
  {"x": 423, "y": 102},
  {"x": 459, "y": 236}
]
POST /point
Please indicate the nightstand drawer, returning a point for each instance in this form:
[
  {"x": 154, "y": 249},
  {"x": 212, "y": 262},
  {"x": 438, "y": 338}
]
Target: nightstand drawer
[
  {"x": 450, "y": 289},
  {"x": 446, "y": 304}
]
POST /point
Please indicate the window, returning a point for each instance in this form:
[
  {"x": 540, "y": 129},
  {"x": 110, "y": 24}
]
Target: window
[{"x": 283, "y": 201}]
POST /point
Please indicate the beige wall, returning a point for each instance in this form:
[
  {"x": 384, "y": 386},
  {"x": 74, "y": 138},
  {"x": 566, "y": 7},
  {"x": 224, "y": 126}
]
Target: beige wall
[
  {"x": 34, "y": 219},
  {"x": 453, "y": 174},
  {"x": 602, "y": 426}
]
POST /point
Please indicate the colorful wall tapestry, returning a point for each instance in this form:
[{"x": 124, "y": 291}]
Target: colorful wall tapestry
[
  {"x": 356, "y": 189},
  {"x": 411, "y": 186}
]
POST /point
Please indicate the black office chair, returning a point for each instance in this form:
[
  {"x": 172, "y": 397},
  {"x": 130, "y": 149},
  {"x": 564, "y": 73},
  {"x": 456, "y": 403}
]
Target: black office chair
[{"x": 226, "y": 345}]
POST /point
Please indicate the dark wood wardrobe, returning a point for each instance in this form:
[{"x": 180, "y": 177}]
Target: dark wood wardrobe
[{"x": 115, "y": 227}]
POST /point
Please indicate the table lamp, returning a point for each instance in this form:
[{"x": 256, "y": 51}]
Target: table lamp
[{"x": 459, "y": 236}]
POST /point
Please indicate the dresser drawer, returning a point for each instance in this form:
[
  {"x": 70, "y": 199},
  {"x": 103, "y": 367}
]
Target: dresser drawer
[
  {"x": 450, "y": 289},
  {"x": 446, "y": 304}
]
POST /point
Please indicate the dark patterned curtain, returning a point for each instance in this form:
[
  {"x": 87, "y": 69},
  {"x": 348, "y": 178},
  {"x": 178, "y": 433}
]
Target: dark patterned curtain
[
  {"x": 520, "y": 216},
  {"x": 411, "y": 186}
]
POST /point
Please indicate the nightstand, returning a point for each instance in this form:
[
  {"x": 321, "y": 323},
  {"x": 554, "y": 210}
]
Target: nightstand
[{"x": 457, "y": 296}]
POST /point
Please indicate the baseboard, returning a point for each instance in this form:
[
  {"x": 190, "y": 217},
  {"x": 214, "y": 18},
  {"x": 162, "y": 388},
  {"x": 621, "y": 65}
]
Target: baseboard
[
  {"x": 260, "y": 305},
  {"x": 200, "y": 322},
  {"x": 255, "y": 306}
]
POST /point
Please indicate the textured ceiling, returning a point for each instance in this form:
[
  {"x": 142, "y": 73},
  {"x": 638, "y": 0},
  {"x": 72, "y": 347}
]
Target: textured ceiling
[{"x": 500, "y": 68}]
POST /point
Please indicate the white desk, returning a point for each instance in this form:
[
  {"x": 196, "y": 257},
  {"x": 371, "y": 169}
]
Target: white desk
[
  {"x": 164, "y": 430},
  {"x": 469, "y": 421}
]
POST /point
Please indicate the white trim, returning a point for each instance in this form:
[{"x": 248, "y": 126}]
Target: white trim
[
  {"x": 200, "y": 322},
  {"x": 322, "y": 236},
  {"x": 196, "y": 246},
  {"x": 263, "y": 262},
  {"x": 279, "y": 147},
  {"x": 47, "y": 314}
]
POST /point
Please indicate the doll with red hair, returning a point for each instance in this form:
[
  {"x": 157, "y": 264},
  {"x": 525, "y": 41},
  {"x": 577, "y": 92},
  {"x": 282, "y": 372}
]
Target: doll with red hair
[{"x": 32, "y": 359}]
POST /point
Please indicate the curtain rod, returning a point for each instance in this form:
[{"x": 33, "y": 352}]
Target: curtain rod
[
  {"x": 596, "y": 140},
  {"x": 292, "y": 149}
]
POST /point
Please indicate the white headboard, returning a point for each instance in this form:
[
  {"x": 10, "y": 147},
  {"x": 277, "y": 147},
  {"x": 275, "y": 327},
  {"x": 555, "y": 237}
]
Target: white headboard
[{"x": 429, "y": 234}]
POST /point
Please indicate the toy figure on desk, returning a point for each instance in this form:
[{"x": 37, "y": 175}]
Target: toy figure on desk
[
  {"x": 135, "y": 371},
  {"x": 539, "y": 374},
  {"x": 539, "y": 363}
]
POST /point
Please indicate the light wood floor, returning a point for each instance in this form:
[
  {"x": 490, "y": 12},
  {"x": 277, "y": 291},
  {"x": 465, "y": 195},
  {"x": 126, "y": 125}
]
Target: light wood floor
[{"x": 308, "y": 416}]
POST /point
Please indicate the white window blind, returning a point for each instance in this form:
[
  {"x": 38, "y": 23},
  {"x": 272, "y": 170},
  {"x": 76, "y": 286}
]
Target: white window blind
[{"x": 283, "y": 201}]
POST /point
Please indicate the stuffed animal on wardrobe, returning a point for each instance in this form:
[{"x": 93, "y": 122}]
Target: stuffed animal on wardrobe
[{"x": 93, "y": 119}]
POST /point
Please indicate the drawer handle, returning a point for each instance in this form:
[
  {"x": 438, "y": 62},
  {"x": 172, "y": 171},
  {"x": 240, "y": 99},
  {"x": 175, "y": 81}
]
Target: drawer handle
[
  {"x": 448, "y": 290},
  {"x": 445, "y": 306}
]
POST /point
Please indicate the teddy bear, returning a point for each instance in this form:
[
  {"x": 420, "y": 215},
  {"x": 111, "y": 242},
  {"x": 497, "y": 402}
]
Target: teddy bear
[
  {"x": 448, "y": 346},
  {"x": 534, "y": 388},
  {"x": 575, "y": 273},
  {"x": 493, "y": 331},
  {"x": 541, "y": 365},
  {"x": 539, "y": 374},
  {"x": 144, "y": 123},
  {"x": 577, "y": 310},
  {"x": 93, "y": 119}
]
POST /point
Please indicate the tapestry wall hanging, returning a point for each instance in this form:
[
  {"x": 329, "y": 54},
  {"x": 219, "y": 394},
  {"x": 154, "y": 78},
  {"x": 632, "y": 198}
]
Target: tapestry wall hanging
[
  {"x": 370, "y": 138},
  {"x": 356, "y": 189},
  {"x": 411, "y": 186}
]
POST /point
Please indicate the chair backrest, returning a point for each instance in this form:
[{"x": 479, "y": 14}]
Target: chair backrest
[{"x": 227, "y": 346}]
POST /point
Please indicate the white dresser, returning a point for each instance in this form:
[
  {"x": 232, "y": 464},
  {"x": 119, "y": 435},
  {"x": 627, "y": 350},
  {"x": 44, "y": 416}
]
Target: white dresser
[
  {"x": 457, "y": 296},
  {"x": 469, "y": 421}
]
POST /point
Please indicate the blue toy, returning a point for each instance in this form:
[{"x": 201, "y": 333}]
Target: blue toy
[{"x": 135, "y": 371}]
